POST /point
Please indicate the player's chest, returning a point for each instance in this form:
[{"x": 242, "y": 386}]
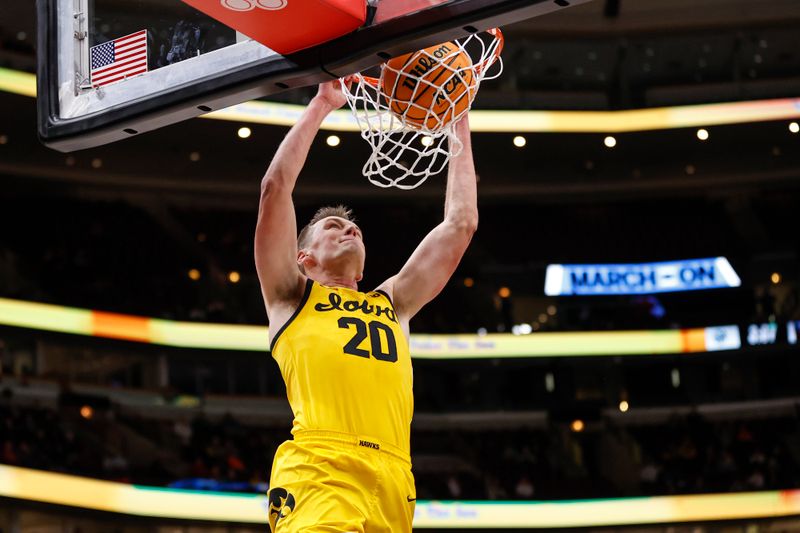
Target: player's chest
[{"x": 366, "y": 332}]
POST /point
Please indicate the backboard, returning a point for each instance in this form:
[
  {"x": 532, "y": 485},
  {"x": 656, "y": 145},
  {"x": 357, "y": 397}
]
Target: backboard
[{"x": 111, "y": 69}]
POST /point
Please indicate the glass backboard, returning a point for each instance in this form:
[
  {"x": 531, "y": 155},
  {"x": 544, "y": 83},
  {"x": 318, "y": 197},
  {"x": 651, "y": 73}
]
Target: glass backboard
[{"x": 111, "y": 69}]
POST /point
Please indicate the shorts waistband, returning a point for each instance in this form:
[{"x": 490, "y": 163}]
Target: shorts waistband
[{"x": 357, "y": 441}]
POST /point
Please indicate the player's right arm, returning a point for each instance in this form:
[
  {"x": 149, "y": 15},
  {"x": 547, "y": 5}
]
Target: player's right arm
[{"x": 276, "y": 229}]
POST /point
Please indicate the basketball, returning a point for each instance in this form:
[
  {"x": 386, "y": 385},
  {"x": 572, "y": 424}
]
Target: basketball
[{"x": 429, "y": 87}]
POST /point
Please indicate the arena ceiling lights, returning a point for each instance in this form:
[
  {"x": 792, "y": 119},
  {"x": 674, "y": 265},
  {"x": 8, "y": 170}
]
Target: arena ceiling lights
[{"x": 509, "y": 121}]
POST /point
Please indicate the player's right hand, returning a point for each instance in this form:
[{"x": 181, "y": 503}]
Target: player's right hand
[{"x": 331, "y": 93}]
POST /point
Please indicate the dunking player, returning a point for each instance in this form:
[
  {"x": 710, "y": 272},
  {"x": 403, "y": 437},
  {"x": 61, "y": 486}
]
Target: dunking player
[{"x": 344, "y": 353}]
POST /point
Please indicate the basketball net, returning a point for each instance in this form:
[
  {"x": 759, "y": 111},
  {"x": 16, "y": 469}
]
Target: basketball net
[{"x": 405, "y": 152}]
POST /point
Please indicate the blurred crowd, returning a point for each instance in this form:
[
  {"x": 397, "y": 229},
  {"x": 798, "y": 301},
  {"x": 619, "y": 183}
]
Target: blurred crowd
[
  {"x": 193, "y": 265},
  {"x": 687, "y": 455}
]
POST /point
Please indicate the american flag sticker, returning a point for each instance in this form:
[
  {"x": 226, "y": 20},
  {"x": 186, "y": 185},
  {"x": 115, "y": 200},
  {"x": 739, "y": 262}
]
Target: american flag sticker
[{"x": 119, "y": 59}]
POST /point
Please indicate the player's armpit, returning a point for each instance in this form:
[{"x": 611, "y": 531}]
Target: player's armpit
[{"x": 431, "y": 266}]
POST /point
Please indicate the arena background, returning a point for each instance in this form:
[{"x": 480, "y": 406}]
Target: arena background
[{"x": 160, "y": 226}]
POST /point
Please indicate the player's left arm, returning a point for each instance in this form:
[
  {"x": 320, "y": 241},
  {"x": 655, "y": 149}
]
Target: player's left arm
[{"x": 432, "y": 264}]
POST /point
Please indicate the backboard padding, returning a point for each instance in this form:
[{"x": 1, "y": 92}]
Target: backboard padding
[{"x": 239, "y": 72}]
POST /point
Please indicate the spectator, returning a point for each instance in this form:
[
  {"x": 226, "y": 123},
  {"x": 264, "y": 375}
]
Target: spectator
[{"x": 524, "y": 489}]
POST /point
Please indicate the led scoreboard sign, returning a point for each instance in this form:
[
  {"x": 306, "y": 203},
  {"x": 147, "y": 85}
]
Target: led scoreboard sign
[
  {"x": 640, "y": 278},
  {"x": 771, "y": 333},
  {"x": 762, "y": 334}
]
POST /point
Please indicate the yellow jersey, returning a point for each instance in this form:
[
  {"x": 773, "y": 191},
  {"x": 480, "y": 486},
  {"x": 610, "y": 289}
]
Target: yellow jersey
[{"x": 347, "y": 366}]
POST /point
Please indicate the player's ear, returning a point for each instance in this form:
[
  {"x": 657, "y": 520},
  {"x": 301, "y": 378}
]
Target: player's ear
[
  {"x": 304, "y": 258},
  {"x": 360, "y": 277}
]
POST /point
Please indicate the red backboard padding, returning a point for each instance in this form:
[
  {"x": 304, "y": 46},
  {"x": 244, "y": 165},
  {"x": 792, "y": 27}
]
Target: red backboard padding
[{"x": 287, "y": 26}]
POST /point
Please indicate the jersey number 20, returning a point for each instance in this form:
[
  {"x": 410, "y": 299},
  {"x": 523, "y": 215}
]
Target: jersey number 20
[{"x": 374, "y": 330}]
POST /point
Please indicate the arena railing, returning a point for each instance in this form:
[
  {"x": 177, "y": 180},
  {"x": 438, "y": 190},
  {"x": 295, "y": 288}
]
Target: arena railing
[{"x": 136, "y": 500}]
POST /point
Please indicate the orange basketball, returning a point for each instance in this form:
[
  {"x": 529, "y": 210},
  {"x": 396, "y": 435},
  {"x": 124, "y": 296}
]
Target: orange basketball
[{"x": 438, "y": 78}]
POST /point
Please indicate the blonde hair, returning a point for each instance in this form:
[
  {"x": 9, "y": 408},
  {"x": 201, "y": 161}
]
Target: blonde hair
[{"x": 340, "y": 211}]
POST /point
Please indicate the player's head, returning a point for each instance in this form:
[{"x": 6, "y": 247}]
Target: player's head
[{"x": 332, "y": 241}]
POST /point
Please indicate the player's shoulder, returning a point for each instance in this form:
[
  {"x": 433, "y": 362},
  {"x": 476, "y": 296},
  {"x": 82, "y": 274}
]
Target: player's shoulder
[
  {"x": 282, "y": 312},
  {"x": 288, "y": 301},
  {"x": 386, "y": 288}
]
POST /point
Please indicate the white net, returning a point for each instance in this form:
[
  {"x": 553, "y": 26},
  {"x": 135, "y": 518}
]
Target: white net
[{"x": 407, "y": 113}]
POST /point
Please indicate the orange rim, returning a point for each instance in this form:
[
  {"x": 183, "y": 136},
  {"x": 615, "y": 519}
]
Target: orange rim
[
  {"x": 372, "y": 81},
  {"x": 498, "y": 35},
  {"x": 495, "y": 32}
]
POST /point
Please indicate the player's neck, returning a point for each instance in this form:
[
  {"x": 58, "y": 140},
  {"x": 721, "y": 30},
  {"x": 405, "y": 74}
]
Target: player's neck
[
  {"x": 346, "y": 283},
  {"x": 336, "y": 274},
  {"x": 329, "y": 279}
]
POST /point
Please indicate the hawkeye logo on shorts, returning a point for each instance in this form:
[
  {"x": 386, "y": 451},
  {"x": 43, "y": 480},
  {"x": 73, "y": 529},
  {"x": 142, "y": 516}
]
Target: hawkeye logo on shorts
[
  {"x": 335, "y": 302},
  {"x": 281, "y": 505},
  {"x": 368, "y": 444}
]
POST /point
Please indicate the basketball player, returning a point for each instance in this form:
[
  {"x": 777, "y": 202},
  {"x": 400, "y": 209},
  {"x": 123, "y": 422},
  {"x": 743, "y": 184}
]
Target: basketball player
[{"x": 344, "y": 353}]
